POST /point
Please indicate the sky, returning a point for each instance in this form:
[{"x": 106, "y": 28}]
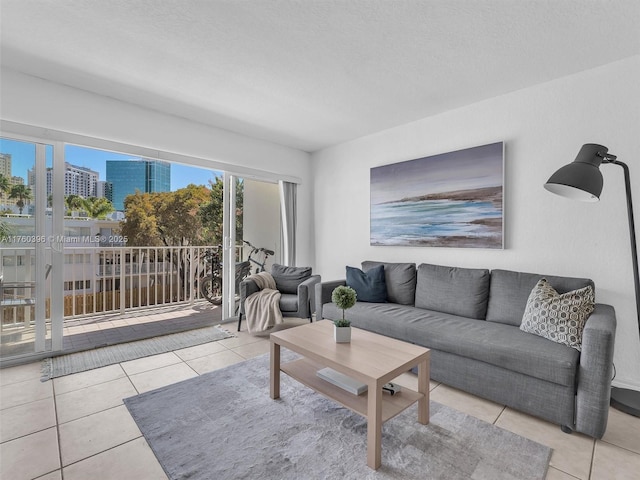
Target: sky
[
  {"x": 470, "y": 168},
  {"x": 23, "y": 154}
]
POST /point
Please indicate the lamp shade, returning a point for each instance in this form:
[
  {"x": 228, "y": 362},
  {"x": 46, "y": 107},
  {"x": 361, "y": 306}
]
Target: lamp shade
[{"x": 581, "y": 179}]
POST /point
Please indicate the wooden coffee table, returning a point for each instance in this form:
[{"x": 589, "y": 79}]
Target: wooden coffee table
[{"x": 370, "y": 358}]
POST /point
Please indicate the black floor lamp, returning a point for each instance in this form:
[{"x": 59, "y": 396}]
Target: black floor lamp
[{"x": 582, "y": 180}]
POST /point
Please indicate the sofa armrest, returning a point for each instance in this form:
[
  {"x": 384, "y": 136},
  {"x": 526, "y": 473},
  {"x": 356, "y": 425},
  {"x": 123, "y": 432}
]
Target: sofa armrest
[
  {"x": 323, "y": 294},
  {"x": 595, "y": 371},
  {"x": 306, "y": 296},
  {"x": 247, "y": 287}
]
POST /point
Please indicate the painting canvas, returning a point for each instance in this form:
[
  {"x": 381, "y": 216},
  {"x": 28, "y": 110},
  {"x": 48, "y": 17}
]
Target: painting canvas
[{"x": 448, "y": 200}]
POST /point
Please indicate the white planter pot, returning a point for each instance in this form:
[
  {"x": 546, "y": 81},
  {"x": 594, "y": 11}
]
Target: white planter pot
[{"x": 342, "y": 334}]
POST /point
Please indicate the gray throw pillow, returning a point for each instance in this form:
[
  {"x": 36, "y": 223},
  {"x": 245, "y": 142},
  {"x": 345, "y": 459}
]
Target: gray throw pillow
[
  {"x": 400, "y": 279},
  {"x": 558, "y": 317},
  {"x": 288, "y": 278},
  {"x": 510, "y": 290},
  {"x": 454, "y": 290}
]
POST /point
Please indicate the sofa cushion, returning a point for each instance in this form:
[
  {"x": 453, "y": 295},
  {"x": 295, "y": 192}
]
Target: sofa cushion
[
  {"x": 288, "y": 302},
  {"x": 559, "y": 318},
  {"x": 288, "y": 278},
  {"x": 400, "y": 279},
  {"x": 370, "y": 286},
  {"x": 454, "y": 290},
  {"x": 510, "y": 291},
  {"x": 501, "y": 345}
]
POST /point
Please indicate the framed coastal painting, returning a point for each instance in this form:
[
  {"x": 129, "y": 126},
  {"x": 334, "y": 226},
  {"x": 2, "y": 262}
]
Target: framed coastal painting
[{"x": 449, "y": 200}]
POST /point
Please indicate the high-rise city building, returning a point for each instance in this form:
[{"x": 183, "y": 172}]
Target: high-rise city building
[
  {"x": 5, "y": 170},
  {"x": 104, "y": 189},
  {"x": 31, "y": 179},
  {"x": 146, "y": 176},
  {"x": 80, "y": 181},
  {"x": 5, "y": 164}
]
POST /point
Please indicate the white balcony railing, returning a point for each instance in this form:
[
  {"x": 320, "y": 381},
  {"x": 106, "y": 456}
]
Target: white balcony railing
[{"x": 100, "y": 280}]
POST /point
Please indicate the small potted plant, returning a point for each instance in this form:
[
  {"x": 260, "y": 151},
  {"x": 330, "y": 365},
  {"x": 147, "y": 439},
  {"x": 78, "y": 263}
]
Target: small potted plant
[{"x": 344, "y": 298}]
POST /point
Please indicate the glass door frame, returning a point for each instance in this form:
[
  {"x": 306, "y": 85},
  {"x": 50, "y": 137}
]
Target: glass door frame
[
  {"x": 57, "y": 248},
  {"x": 229, "y": 246},
  {"x": 49, "y": 257}
]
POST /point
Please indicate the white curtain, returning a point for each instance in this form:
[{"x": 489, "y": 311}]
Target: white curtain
[{"x": 288, "y": 212}]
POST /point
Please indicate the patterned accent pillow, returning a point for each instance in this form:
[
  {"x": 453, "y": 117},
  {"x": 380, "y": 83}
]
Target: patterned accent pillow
[{"x": 557, "y": 317}]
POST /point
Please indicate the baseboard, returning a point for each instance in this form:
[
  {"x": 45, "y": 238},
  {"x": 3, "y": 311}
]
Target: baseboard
[{"x": 624, "y": 384}]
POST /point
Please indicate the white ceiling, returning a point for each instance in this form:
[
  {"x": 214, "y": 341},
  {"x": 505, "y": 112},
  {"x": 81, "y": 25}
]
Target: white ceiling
[{"x": 312, "y": 73}]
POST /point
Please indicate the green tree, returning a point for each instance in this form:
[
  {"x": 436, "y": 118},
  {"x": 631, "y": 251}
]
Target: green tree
[
  {"x": 178, "y": 213},
  {"x": 165, "y": 219},
  {"x": 21, "y": 193},
  {"x": 73, "y": 203},
  {"x": 140, "y": 223},
  {"x": 211, "y": 213},
  {"x": 5, "y": 186},
  {"x": 97, "y": 207},
  {"x": 5, "y": 228}
]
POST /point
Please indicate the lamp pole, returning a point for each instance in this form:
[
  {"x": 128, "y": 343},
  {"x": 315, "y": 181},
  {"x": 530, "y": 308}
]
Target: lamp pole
[
  {"x": 624, "y": 399},
  {"x": 582, "y": 180}
]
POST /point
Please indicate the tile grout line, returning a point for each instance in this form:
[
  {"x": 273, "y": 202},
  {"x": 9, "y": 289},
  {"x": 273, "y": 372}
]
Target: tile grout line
[
  {"x": 593, "y": 456},
  {"x": 566, "y": 473},
  {"x": 130, "y": 381},
  {"x": 189, "y": 366},
  {"x": 495, "y": 422},
  {"x": 88, "y": 415},
  {"x": 55, "y": 412},
  {"x": 100, "y": 453},
  {"x": 618, "y": 446}
]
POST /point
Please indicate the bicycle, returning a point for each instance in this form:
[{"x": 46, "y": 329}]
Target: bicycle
[
  {"x": 263, "y": 252},
  {"x": 211, "y": 285}
]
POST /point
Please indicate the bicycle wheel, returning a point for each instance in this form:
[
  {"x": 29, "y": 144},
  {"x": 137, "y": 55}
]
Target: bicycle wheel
[{"x": 211, "y": 289}]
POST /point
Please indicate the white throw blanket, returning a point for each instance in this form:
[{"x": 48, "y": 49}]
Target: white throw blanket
[{"x": 263, "y": 308}]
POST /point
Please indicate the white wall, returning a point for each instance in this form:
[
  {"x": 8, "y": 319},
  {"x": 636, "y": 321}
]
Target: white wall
[
  {"x": 36, "y": 102},
  {"x": 261, "y": 221},
  {"x": 543, "y": 128}
]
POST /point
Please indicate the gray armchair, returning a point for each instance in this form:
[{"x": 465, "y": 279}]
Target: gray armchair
[{"x": 297, "y": 291}]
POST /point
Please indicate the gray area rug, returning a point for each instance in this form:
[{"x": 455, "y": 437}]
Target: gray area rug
[
  {"x": 101, "y": 357},
  {"x": 224, "y": 425}
]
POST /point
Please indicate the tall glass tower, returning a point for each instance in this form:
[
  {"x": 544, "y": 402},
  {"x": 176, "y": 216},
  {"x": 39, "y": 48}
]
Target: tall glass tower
[{"x": 146, "y": 176}]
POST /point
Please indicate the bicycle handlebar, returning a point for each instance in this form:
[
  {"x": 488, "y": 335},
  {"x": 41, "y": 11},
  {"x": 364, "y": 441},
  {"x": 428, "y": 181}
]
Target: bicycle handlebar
[{"x": 256, "y": 249}]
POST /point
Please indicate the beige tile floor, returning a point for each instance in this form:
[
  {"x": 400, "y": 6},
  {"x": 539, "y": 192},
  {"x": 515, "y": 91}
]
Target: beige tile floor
[{"x": 77, "y": 427}]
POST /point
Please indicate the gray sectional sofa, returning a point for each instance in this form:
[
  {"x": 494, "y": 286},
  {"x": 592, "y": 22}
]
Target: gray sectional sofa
[{"x": 470, "y": 320}]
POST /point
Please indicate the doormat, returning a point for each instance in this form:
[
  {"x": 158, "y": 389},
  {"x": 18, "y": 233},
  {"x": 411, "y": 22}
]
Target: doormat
[{"x": 101, "y": 357}]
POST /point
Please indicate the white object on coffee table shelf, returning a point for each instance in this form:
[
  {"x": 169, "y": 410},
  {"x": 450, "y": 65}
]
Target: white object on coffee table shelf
[{"x": 349, "y": 384}]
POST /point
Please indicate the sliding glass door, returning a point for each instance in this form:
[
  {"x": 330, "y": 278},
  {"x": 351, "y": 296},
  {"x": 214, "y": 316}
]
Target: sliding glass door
[
  {"x": 64, "y": 256},
  {"x": 29, "y": 249}
]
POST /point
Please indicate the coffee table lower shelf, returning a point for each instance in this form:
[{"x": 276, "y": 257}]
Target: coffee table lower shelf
[{"x": 304, "y": 371}]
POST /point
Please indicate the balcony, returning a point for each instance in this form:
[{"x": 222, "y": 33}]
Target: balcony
[{"x": 111, "y": 295}]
